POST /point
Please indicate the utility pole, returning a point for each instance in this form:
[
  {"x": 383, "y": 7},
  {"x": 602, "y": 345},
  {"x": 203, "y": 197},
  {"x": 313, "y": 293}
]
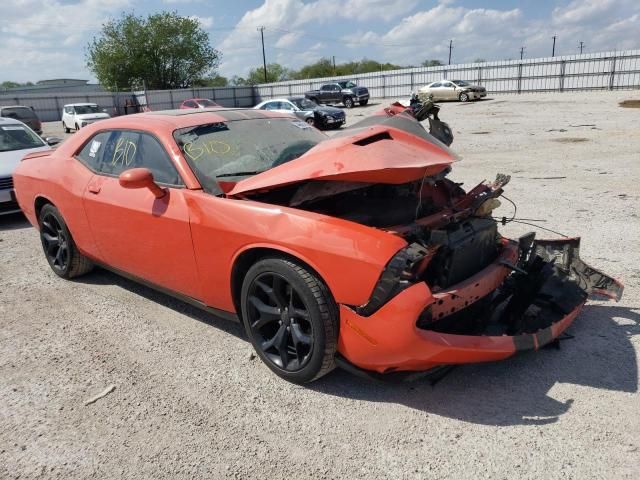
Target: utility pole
[
  {"x": 521, "y": 53},
  {"x": 264, "y": 58},
  {"x": 334, "y": 64},
  {"x": 553, "y": 52},
  {"x": 450, "y": 47},
  {"x": 582, "y": 45}
]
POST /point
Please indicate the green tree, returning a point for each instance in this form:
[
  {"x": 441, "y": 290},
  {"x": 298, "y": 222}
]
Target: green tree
[
  {"x": 212, "y": 81},
  {"x": 275, "y": 73},
  {"x": 163, "y": 50},
  {"x": 432, "y": 63},
  {"x": 9, "y": 84}
]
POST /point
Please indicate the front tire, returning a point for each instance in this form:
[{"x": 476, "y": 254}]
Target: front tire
[
  {"x": 348, "y": 102},
  {"x": 65, "y": 128},
  {"x": 463, "y": 97},
  {"x": 311, "y": 121},
  {"x": 77, "y": 128},
  {"x": 61, "y": 252},
  {"x": 291, "y": 319}
]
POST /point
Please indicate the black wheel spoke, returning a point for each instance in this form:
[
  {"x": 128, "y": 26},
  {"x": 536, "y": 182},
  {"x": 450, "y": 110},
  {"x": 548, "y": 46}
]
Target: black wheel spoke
[
  {"x": 54, "y": 242},
  {"x": 279, "y": 322},
  {"x": 298, "y": 336}
]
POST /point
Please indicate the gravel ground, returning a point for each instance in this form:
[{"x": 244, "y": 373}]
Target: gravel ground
[{"x": 190, "y": 401}]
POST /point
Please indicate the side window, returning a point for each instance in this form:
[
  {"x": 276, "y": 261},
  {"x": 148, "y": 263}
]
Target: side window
[
  {"x": 336, "y": 88},
  {"x": 191, "y": 104},
  {"x": 327, "y": 88},
  {"x": 271, "y": 106},
  {"x": 91, "y": 153},
  {"x": 447, "y": 84},
  {"x": 285, "y": 106},
  {"x": 436, "y": 85},
  {"x": 124, "y": 149}
]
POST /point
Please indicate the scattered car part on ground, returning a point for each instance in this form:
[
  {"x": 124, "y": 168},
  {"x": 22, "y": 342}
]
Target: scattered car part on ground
[
  {"x": 345, "y": 92},
  {"x": 24, "y": 114},
  {"x": 323, "y": 117},
  {"x": 16, "y": 140},
  {"x": 356, "y": 247},
  {"x": 452, "y": 90},
  {"x": 78, "y": 115},
  {"x": 199, "y": 103}
]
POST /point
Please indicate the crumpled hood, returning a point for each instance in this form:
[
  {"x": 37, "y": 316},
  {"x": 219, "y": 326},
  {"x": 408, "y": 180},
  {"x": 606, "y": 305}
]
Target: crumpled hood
[
  {"x": 92, "y": 116},
  {"x": 376, "y": 154},
  {"x": 10, "y": 160}
]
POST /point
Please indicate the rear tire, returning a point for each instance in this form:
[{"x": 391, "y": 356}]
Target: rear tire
[
  {"x": 65, "y": 128},
  {"x": 77, "y": 128},
  {"x": 60, "y": 250},
  {"x": 291, "y": 319},
  {"x": 311, "y": 121},
  {"x": 348, "y": 102},
  {"x": 364, "y": 102}
]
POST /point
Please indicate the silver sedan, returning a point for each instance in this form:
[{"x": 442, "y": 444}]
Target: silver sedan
[{"x": 453, "y": 90}]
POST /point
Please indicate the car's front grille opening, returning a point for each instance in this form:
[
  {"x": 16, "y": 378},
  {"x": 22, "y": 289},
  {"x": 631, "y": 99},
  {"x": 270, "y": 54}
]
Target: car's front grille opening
[{"x": 6, "y": 183}]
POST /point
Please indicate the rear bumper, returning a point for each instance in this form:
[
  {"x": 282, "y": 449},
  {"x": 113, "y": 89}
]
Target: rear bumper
[{"x": 390, "y": 340}]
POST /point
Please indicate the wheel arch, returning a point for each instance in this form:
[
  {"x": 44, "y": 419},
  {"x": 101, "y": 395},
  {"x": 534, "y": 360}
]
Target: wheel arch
[
  {"x": 39, "y": 202},
  {"x": 249, "y": 256}
]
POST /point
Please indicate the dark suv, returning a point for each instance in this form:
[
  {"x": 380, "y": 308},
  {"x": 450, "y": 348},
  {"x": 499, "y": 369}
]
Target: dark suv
[
  {"x": 25, "y": 114},
  {"x": 347, "y": 93}
]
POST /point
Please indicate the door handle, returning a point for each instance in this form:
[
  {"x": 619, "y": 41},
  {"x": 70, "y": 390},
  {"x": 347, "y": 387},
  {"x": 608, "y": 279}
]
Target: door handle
[{"x": 95, "y": 189}]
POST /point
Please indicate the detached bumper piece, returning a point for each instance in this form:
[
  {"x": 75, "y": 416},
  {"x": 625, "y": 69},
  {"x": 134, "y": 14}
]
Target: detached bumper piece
[{"x": 522, "y": 301}]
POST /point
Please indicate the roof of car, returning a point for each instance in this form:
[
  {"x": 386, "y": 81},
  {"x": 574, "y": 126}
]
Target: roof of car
[
  {"x": 188, "y": 118},
  {"x": 80, "y": 104},
  {"x": 10, "y": 121},
  {"x": 14, "y": 106}
]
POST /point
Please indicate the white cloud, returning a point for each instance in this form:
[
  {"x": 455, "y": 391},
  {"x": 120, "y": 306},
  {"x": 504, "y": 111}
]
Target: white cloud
[{"x": 205, "y": 22}]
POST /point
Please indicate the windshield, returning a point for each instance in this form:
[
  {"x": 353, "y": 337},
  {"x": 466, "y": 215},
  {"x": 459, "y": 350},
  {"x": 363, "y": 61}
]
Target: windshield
[
  {"x": 82, "y": 109},
  {"x": 18, "y": 137},
  {"x": 231, "y": 151},
  {"x": 304, "y": 103},
  {"x": 206, "y": 103},
  {"x": 348, "y": 84},
  {"x": 460, "y": 83}
]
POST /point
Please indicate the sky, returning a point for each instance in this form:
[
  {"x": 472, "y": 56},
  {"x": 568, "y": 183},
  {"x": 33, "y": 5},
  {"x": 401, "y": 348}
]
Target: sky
[{"x": 43, "y": 39}]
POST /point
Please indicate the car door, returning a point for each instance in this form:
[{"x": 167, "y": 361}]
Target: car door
[
  {"x": 449, "y": 91},
  {"x": 136, "y": 232},
  {"x": 435, "y": 89},
  {"x": 326, "y": 93}
]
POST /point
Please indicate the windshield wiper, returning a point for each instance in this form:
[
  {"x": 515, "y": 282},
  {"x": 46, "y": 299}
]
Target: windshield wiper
[{"x": 239, "y": 174}]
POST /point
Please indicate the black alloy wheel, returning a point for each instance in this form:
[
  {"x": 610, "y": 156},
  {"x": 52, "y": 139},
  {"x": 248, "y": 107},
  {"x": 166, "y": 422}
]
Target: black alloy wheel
[
  {"x": 290, "y": 319},
  {"x": 59, "y": 248},
  {"x": 54, "y": 242}
]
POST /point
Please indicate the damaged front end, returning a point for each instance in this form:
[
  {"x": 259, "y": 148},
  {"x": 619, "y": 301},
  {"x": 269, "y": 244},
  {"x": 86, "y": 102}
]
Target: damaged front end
[{"x": 458, "y": 292}]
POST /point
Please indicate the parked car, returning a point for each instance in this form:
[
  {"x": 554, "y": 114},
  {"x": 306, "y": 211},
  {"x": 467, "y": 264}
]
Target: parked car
[
  {"x": 16, "y": 140},
  {"x": 347, "y": 93},
  {"x": 453, "y": 90},
  {"x": 78, "y": 115},
  {"x": 24, "y": 114},
  {"x": 307, "y": 110},
  {"x": 353, "y": 250},
  {"x": 198, "y": 103}
]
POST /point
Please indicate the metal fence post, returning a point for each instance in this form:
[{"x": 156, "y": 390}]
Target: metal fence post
[
  {"x": 289, "y": 89},
  {"x": 613, "y": 73},
  {"x": 171, "y": 98},
  {"x": 235, "y": 98},
  {"x": 384, "y": 86},
  {"x": 57, "y": 100},
  {"x": 562, "y": 69},
  {"x": 519, "y": 78},
  {"x": 411, "y": 77}
]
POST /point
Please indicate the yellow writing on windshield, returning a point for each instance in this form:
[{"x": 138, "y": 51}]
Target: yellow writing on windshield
[{"x": 196, "y": 150}]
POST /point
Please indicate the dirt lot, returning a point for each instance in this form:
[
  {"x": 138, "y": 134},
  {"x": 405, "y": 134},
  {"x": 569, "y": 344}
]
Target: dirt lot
[{"x": 190, "y": 402}]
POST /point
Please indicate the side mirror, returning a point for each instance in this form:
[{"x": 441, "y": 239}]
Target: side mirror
[
  {"x": 52, "y": 140},
  {"x": 141, "y": 178}
]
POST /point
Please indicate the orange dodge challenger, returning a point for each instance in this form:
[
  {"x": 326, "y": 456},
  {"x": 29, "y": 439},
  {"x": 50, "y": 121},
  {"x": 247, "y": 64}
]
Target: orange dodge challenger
[{"x": 354, "y": 250}]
